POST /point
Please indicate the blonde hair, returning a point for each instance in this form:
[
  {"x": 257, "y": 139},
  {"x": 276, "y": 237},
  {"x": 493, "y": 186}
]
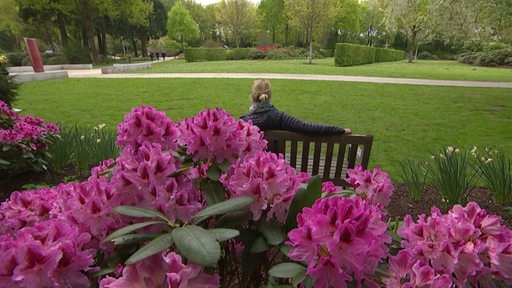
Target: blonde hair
[{"x": 261, "y": 91}]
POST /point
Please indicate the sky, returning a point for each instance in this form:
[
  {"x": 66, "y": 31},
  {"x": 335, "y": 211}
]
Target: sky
[{"x": 207, "y": 2}]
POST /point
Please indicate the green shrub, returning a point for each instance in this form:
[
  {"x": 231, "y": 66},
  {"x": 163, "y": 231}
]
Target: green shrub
[
  {"x": 171, "y": 47},
  {"x": 256, "y": 55},
  {"x": 8, "y": 88},
  {"x": 469, "y": 57},
  {"x": 347, "y": 54},
  {"x": 238, "y": 53},
  {"x": 495, "y": 57},
  {"x": 76, "y": 53},
  {"x": 16, "y": 59},
  {"x": 205, "y": 54},
  {"x": 487, "y": 47},
  {"x": 425, "y": 55},
  {"x": 57, "y": 60}
]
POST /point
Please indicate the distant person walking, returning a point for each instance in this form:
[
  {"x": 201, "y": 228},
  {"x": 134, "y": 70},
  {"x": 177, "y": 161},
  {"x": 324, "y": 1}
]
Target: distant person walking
[
  {"x": 164, "y": 54},
  {"x": 157, "y": 56},
  {"x": 151, "y": 55}
]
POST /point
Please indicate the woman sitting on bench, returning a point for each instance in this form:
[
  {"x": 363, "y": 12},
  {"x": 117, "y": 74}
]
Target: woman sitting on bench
[{"x": 264, "y": 115}]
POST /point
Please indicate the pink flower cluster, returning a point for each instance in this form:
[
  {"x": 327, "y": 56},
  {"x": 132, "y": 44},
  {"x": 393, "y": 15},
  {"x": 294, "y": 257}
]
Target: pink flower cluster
[
  {"x": 48, "y": 254},
  {"x": 27, "y": 132},
  {"x": 267, "y": 178},
  {"x": 375, "y": 187},
  {"x": 341, "y": 240},
  {"x": 162, "y": 271},
  {"x": 464, "y": 247},
  {"x": 214, "y": 134},
  {"x": 145, "y": 177},
  {"x": 145, "y": 123}
]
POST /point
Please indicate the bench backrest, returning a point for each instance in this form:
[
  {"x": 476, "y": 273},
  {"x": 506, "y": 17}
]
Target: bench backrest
[{"x": 328, "y": 156}]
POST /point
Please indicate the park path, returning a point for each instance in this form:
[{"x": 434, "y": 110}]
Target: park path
[{"x": 96, "y": 73}]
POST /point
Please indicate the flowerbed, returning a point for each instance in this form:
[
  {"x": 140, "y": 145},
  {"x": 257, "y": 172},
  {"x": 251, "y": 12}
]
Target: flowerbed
[{"x": 199, "y": 203}]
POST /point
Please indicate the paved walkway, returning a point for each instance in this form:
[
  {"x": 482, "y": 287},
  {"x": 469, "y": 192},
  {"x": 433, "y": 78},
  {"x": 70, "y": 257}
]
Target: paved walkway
[{"x": 96, "y": 73}]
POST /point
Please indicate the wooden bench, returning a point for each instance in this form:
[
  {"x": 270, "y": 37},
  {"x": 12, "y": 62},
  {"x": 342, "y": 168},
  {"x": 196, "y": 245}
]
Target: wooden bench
[{"x": 328, "y": 156}]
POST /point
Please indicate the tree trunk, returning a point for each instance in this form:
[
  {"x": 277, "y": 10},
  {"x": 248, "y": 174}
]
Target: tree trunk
[
  {"x": 143, "y": 44},
  {"x": 310, "y": 39},
  {"x": 134, "y": 45},
  {"x": 62, "y": 29}
]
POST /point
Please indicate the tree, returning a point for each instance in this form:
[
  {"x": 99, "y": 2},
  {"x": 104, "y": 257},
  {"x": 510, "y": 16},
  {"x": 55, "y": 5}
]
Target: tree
[
  {"x": 236, "y": 17},
  {"x": 310, "y": 15},
  {"x": 273, "y": 17},
  {"x": 180, "y": 24},
  {"x": 346, "y": 20},
  {"x": 414, "y": 17},
  {"x": 10, "y": 26},
  {"x": 372, "y": 20}
]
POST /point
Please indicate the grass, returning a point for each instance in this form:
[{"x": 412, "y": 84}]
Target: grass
[
  {"x": 421, "y": 69},
  {"x": 408, "y": 121}
]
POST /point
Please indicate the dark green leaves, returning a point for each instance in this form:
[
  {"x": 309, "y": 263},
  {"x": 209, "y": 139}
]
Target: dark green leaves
[
  {"x": 197, "y": 244},
  {"x": 304, "y": 198}
]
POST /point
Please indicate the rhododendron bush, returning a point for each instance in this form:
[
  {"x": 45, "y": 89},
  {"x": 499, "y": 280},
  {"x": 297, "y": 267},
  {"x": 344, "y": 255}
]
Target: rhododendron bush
[
  {"x": 200, "y": 203},
  {"x": 23, "y": 140}
]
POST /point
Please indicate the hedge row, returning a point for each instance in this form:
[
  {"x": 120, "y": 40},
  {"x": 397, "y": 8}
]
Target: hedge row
[
  {"x": 205, "y": 54},
  {"x": 347, "y": 54}
]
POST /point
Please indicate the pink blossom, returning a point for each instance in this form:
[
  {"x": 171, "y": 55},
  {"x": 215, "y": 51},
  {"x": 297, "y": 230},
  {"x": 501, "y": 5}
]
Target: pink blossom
[
  {"x": 213, "y": 134},
  {"x": 49, "y": 254},
  {"x": 146, "y": 178},
  {"x": 267, "y": 178},
  {"x": 252, "y": 138},
  {"x": 160, "y": 270},
  {"x": 464, "y": 246},
  {"x": 145, "y": 123},
  {"x": 375, "y": 187},
  {"x": 341, "y": 239}
]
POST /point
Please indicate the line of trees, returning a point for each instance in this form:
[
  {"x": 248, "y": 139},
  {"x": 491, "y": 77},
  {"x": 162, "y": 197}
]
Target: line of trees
[{"x": 104, "y": 26}]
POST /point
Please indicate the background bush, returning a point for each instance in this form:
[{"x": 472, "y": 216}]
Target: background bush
[
  {"x": 8, "y": 88},
  {"x": 205, "y": 54},
  {"x": 238, "y": 53},
  {"x": 16, "y": 59},
  {"x": 76, "y": 53}
]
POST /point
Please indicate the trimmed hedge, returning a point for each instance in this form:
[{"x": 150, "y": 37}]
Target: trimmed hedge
[
  {"x": 239, "y": 53},
  {"x": 205, "y": 54},
  {"x": 347, "y": 54}
]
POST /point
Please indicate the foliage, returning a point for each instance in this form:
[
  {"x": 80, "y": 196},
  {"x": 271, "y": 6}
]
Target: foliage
[
  {"x": 16, "y": 59},
  {"x": 238, "y": 53},
  {"x": 414, "y": 175},
  {"x": 76, "y": 53},
  {"x": 495, "y": 57},
  {"x": 494, "y": 169},
  {"x": 180, "y": 25},
  {"x": 82, "y": 147},
  {"x": 23, "y": 141},
  {"x": 236, "y": 19},
  {"x": 205, "y": 54},
  {"x": 8, "y": 88},
  {"x": 451, "y": 172},
  {"x": 185, "y": 208},
  {"x": 350, "y": 54}
]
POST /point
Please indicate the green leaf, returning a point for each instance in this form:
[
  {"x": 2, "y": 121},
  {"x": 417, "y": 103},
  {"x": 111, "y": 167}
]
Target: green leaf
[
  {"x": 133, "y": 238},
  {"x": 151, "y": 248},
  {"x": 285, "y": 249},
  {"x": 259, "y": 245},
  {"x": 214, "y": 192},
  {"x": 140, "y": 212},
  {"x": 223, "y": 234},
  {"x": 224, "y": 166},
  {"x": 287, "y": 270},
  {"x": 299, "y": 278},
  {"x": 197, "y": 244},
  {"x": 223, "y": 207},
  {"x": 234, "y": 219},
  {"x": 272, "y": 232},
  {"x": 214, "y": 172},
  {"x": 304, "y": 198},
  {"x": 129, "y": 229},
  {"x": 103, "y": 272},
  {"x": 3, "y": 162}
]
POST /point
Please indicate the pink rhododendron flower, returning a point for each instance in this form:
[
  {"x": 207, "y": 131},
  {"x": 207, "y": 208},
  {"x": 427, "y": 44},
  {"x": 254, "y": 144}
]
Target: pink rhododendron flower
[
  {"x": 214, "y": 134},
  {"x": 145, "y": 123},
  {"x": 49, "y": 254},
  {"x": 143, "y": 177},
  {"x": 375, "y": 187},
  {"x": 268, "y": 179},
  {"x": 26, "y": 208},
  {"x": 162, "y": 270},
  {"x": 341, "y": 239},
  {"x": 252, "y": 138},
  {"x": 464, "y": 246}
]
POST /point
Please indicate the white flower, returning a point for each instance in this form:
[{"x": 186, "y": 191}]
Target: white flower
[
  {"x": 450, "y": 149},
  {"x": 82, "y": 137},
  {"x": 101, "y": 126},
  {"x": 98, "y": 140},
  {"x": 473, "y": 151},
  {"x": 488, "y": 161}
]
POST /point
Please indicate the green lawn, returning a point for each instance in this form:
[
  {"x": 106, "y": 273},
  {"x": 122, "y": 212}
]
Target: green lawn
[
  {"x": 408, "y": 121},
  {"x": 447, "y": 70}
]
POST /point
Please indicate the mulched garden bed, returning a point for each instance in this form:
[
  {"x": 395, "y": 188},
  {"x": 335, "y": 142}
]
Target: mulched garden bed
[{"x": 401, "y": 204}]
